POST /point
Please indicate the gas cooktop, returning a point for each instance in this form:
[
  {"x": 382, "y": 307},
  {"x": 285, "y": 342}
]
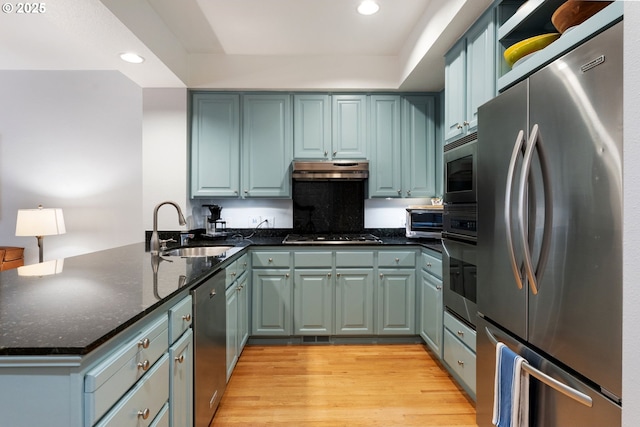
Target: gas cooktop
[{"x": 300, "y": 239}]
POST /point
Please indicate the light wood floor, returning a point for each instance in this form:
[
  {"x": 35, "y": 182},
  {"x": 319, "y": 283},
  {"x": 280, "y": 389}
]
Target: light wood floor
[{"x": 342, "y": 385}]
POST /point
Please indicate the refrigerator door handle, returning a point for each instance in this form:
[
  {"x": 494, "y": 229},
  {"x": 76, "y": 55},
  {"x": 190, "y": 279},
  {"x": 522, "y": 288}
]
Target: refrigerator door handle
[
  {"x": 517, "y": 147},
  {"x": 571, "y": 392},
  {"x": 522, "y": 204}
]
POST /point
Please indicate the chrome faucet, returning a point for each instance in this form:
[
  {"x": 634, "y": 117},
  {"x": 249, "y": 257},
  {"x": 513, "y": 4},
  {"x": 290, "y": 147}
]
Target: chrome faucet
[{"x": 154, "y": 244}]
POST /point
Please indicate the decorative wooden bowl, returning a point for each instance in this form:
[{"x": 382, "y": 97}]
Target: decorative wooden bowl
[{"x": 574, "y": 12}]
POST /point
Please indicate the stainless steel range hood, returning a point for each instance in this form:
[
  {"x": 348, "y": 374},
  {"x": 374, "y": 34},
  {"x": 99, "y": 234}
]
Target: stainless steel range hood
[{"x": 322, "y": 170}]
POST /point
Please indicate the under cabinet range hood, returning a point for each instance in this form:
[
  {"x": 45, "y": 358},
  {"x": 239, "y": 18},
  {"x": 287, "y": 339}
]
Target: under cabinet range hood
[{"x": 323, "y": 170}]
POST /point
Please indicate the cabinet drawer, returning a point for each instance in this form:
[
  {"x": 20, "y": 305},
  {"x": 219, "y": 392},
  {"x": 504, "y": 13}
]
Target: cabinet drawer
[
  {"x": 432, "y": 264},
  {"x": 460, "y": 359},
  {"x": 180, "y": 318},
  {"x": 242, "y": 264},
  {"x": 147, "y": 397},
  {"x": 109, "y": 380},
  {"x": 231, "y": 273},
  {"x": 354, "y": 259},
  {"x": 312, "y": 259},
  {"x": 460, "y": 330},
  {"x": 162, "y": 420},
  {"x": 397, "y": 259},
  {"x": 270, "y": 259}
]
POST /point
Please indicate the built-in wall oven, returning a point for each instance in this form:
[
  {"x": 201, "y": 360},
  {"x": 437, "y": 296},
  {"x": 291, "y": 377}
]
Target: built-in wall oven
[
  {"x": 459, "y": 232},
  {"x": 460, "y": 168}
]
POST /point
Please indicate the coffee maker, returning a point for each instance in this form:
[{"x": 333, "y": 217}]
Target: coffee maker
[{"x": 215, "y": 226}]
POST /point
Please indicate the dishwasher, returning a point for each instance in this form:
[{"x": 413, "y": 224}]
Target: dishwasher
[{"x": 209, "y": 327}]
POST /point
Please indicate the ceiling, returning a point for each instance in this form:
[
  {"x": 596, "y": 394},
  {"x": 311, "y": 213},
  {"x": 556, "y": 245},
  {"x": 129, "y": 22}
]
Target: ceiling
[{"x": 244, "y": 44}]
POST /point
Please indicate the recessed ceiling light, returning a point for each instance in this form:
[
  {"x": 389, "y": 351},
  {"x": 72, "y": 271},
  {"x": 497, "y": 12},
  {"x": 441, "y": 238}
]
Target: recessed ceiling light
[
  {"x": 368, "y": 7},
  {"x": 131, "y": 57}
]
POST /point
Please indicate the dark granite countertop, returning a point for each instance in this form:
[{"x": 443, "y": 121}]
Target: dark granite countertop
[{"x": 100, "y": 294}]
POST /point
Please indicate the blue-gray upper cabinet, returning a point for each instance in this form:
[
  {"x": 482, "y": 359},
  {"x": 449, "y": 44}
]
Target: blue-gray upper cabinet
[
  {"x": 403, "y": 148},
  {"x": 328, "y": 127},
  {"x": 215, "y": 145},
  {"x": 312, "y": 126},
  {"x": 470, "y": 76},
  {"x": 348, "y": 126},
  {"x": 267, "y": 145}
]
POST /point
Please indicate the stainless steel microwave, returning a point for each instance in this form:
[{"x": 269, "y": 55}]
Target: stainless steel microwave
[
  {"x": 460, "y": 170},
  {"x": 424, "y": 222}
]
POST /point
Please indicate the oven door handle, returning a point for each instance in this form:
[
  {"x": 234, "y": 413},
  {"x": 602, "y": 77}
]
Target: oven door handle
[{"x": 517, "y": 147}]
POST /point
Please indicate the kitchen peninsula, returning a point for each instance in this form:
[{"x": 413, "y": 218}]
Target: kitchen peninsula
[{"x": 64, "y": 335}]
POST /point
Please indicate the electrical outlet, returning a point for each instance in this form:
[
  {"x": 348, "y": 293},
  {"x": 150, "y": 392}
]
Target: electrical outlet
[
  {"x": 254, "y": 221},
  {"x": 269, "y": 221}
]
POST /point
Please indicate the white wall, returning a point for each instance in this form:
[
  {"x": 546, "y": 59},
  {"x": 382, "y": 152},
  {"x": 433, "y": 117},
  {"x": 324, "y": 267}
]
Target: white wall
[
  {"x": 164, "y": 154},
  {"x": 71, "y": 140},
  {"x": 631, "y": 254}
]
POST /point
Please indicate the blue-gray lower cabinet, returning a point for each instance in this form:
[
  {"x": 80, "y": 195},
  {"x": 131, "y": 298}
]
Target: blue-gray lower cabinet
[
  {"x": 272, "y": 302},
  {"x": 237, "y": 298},
  {"x": 181, "y": 381},
  {"x": 354, "y": 301},
  {"x": 430, "y": 308},
  {"x": 313, "y": 301},
  {"x": 396, "y": 301},
  {"x": 459, "y": 353}
]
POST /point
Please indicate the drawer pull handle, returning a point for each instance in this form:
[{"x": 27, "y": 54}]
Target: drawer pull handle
[
  {"x": 270, "y": 259},
  {"x": 428, "y": 265},
  {"x": 144, "y": 343},
  {"x": 180, "y": 358},
  {"x": 233, "y": 274},
  {"x": 143, "y": 365},
  {"x": 460, "y": 334},
  {"x": 381, "y": 275},
  {"x": 286, "y": 275},
  {"x": 397, "y": 259},
  {"x": 187, "y": 317},
  {"x": 439, "y": 288},
  {"x": 460, "y": 362},
  {"x": 144, "y": 414}
]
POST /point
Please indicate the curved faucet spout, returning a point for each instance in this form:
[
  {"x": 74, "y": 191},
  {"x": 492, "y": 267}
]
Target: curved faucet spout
[{"x": 154, "y": 243}]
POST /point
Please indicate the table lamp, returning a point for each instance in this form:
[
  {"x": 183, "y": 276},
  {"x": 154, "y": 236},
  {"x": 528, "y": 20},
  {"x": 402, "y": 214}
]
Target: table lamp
[{"x": 40, "y": 222}]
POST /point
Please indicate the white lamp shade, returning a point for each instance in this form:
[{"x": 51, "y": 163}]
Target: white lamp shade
[{"x": 40, "y": 222}]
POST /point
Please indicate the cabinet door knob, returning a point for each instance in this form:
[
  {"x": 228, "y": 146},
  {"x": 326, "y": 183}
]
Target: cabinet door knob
[
  {"x": 334, "y": 153},
  {"x": 337, "y": 274},
  {"x": 399, "y": 192},
  {"x": 286, "y": 275},
  {"x": 144, "y": 414},
  {"x": 465, "y": 123},
  {"x": 439, "y": 288},
  {"x": 270, "y": 259},
  {"x": 235, "y": 191},
  {"x": 328, "y": 274},
  {"x": 187, "y": 317},
  {"x": 212, "y": 293},
  {"x": 428, "y": 265},
  {"x": 458, "y": 126},
  {"x": 397, "y": 260},
  {"x": 460, "y": 334},
  {"x": 460, "y": 362},
  {"x": 408, "y": 192},
  {"x": 326, "y": 153},
  {"x": 381, "y": 275},
  {"x": 233, "y": 274},
  {"x": 180, "y": 358},
  {"x": 144, "y": 365},
  {"x": 144, "y": 343},
  {"x": 246, "y": 191}
]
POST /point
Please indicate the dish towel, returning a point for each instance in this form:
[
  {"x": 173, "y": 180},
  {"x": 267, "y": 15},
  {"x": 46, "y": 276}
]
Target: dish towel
[{"x": 511, "y": 390}]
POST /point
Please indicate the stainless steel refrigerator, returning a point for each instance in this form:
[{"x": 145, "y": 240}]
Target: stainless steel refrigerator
[{"x": 550, "y": 236}]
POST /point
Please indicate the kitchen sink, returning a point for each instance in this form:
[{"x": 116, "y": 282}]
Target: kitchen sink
[{"x": 197, "y": 251}]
